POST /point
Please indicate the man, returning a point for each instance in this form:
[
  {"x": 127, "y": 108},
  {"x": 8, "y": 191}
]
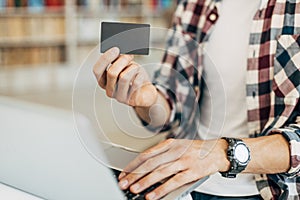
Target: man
[{"x": 240, "y": 81}]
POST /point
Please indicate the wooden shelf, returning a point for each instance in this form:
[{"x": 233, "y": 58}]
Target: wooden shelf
[
  {"x": 35, "y": 12},
  {"x": 70, "y": 29},
  {"x": 32, "y": 42}
]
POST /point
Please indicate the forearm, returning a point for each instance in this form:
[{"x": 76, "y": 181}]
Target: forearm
[
  {"x": 179, "y": 161},
  {"x": 269, "y": 155},
  {"x": 157, "y": 114}
]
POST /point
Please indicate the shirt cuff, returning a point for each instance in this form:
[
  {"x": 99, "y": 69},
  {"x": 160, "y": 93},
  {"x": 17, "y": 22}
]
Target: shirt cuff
[{"x": 292, "y": 135}]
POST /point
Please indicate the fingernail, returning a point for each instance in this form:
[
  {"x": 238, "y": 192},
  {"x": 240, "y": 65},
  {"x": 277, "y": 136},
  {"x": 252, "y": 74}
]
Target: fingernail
[
  {"x": 115, "y": 51},
  {"x": 122, "y": 175},
  {"x": 123, "y": 183},
  {"x": 151, "y": 195},
  {"x": 131, "y": 102},
  {"x": 135, "y": 187}
]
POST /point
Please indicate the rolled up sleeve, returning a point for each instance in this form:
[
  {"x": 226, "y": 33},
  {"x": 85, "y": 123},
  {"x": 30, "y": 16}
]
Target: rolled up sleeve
[{"x": 292, "y": 134}]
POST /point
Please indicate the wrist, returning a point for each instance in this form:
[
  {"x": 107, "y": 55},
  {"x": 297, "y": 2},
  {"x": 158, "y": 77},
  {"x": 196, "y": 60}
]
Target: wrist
[
  {"x": 156, "y": 115},
  {"x": 155, "y": 96},
  {"x": 223, "y": 162}
]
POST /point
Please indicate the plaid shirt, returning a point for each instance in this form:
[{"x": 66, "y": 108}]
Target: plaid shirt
[{"x": 272, "y": 85}]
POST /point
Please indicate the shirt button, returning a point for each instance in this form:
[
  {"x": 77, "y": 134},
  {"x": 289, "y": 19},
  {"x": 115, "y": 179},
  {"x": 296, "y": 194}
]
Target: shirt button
[{"x": 213, "y": 17}]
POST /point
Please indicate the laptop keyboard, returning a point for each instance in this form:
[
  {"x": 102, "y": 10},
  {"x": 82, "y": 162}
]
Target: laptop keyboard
[{"x": 131, "y": 196}]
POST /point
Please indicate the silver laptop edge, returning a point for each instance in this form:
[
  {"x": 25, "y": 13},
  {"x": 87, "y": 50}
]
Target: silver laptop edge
[{"x": 42, "y": 153}]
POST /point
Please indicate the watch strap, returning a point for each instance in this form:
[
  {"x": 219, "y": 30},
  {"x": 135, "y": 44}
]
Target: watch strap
[{"x": 235, "y": 167}]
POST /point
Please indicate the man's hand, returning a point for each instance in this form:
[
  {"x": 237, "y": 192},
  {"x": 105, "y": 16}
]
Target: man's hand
[
  {"x": 181, "y": 161},
  {"x": 184, "y": 161},
  {"x": 124, "y": 79}
]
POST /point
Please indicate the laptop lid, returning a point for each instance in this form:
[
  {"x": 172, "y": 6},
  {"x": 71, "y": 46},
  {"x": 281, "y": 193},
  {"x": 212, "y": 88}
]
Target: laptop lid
[{"x": 40, "y": 153}]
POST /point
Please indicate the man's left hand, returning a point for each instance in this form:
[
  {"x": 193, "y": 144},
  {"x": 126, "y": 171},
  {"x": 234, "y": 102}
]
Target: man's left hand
[{"x": 178, "y": 161}]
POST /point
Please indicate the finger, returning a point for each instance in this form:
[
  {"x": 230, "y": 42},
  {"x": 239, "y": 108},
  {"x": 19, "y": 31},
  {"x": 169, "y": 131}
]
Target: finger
[
  {"x": 137, "y": 84},
  {"x": 153, "y": 151},
  {"x": 148, "y": 166},
  {"x": 102, "y": 80},
  {"x": 173, "y": 183},
  {"x": 114, "y": 71},
  {"x": 142, "y": 93},
  {"x": 158, "y": 175},
  {"x": 105, "y": 59},
  {"x": 125, "y": 79}
]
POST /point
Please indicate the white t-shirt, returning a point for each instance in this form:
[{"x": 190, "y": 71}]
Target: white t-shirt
[{"x": 223, "y": 108}]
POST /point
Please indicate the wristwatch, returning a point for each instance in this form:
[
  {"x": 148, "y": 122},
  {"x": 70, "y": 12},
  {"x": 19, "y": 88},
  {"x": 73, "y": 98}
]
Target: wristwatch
[{"x": 238, "y": 155}]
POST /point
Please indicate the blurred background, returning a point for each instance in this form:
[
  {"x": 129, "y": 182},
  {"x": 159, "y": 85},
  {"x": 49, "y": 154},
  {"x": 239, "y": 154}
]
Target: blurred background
[{"x": 43, "y": 43}]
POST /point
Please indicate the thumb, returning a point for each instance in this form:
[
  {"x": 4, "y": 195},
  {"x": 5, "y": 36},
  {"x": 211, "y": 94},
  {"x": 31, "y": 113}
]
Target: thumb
[{"x": 145, "y": 96}]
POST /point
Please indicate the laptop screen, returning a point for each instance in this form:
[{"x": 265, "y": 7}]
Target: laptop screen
[{"x": 41, "y": 153}]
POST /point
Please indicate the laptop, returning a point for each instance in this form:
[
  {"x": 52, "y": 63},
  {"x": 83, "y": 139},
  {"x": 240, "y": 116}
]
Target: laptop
[{"x": 42, "y": 154}]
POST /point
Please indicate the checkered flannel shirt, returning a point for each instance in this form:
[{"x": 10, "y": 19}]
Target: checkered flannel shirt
[{"x": 272, "y": 85}]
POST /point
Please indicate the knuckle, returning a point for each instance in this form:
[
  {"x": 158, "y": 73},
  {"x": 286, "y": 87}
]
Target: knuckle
[
  {"x": 112, "y": 74},
  {"x": 179, "y": 165},
  {"x": 135, "y": 69},
  {"x": 178, "y": 177},
  {"x": 135, "y": 63},
  {"x": 131, "y": 177},
  {"x": 149, "y": 151},
  {"x": 149, "y": 163},
  {"x": 101, "y": 84},
  {"x": 128, "y": 58},
  {"x": 143, "y": 157},
  {"x": 109, "y": 93},
  {"x": 123, "y": 77},
  {"x": 183, "y": 177},
  {"x": 169, "y": 141},
  {"x": 161, "y": 171},
  {"x": 121, "y": 100}
]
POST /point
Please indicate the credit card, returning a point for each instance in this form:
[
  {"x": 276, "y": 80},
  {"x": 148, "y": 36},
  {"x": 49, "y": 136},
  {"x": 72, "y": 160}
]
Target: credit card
[{"x": 130, "y": 38}]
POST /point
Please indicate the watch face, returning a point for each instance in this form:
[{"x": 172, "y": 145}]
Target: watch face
[{"x": 241, "y": 153}]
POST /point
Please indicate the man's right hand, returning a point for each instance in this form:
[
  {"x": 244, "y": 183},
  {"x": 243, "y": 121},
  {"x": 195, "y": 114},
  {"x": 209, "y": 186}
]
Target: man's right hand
[{"x": 124, "y": 79}]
